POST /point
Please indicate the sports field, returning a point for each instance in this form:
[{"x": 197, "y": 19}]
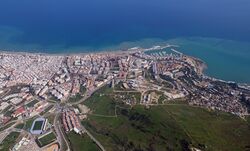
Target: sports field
[
  {"x": 9, "y": 141},
  {"x": 45, "y": 140},
  {"x": 38, "y": 125}
]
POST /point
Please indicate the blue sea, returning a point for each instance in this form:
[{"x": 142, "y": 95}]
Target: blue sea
[{"x": 216, "y": 31}]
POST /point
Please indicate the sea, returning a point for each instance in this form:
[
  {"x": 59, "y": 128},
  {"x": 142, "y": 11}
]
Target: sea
[{"x": 218, "y": 32}]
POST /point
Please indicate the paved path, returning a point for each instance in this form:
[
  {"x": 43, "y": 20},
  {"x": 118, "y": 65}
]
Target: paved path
[
  {"x": 93, "y": 138},
  {"x": 117, "y": 106}
]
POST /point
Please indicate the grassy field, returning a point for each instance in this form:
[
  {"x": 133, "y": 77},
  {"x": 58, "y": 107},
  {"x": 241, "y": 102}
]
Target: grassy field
[
  {"x": 106, "y": 106},
  {"x": 7, "y": 126},
  {"x": 32, "y": 103},
  {"x": 82, "y": 89},
  {"x": 46, "y": 109},
  {"x": 75, "y": 98},
  {"x": 51, "y": 118},
  {"x": 212, "y": 130},
  {"x": 38, "y": 125},
  {"x": 29, "y": 122},
  {"x": 81, "y": 143},
  {"x": 20, "y": 126},
  {"x": 168, "y": 127},
  {"x": 9, "y": 141},
  {"x": 138, "y": 129},
  {"x": 46, "y": 139}
]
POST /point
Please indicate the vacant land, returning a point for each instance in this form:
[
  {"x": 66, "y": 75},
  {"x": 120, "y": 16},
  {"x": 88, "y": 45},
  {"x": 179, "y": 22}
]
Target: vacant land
[
  {"x": 29, "y": 123},
  {"x": 212, "y": 130},
  {"x": 50, "y": 117},
  {"x": 138, "y": 129},
  {"x": 168, "y": 127},
  {"x": 46, "y": 110},
  {"x": 80, "y": 143},
  {"x": 104, "y": 107},
  {"x": 121, "y": 96},
  {"x": 45, "y": 140},
  {"x": 75, "y": 98},
  {"x": 20, "y": 126},
  {"x": 9, "y": 141}
]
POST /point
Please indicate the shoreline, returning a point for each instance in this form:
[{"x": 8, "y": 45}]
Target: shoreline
[
  {"x": 203, "y": 65},
  {"x": 68, "y": 54},
  {"x": 58, "y": 54},
  {"x": 118, "y": 51}
]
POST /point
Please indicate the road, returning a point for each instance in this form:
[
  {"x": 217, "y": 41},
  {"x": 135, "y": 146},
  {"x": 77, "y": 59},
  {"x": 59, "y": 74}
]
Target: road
[
  {"x": 57, "y": 124},
  {"x": 112, "y": 116},
  {"x": 89, "y": 93},
  {"x": 6, "y": 132},
  {"x": 60, "y": 135},
  {"x": 93, "y": 138}
]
